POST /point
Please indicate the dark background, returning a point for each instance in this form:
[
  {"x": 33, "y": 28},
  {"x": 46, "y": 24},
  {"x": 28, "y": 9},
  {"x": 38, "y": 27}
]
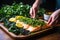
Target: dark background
[{"x": 48, "y": 4}]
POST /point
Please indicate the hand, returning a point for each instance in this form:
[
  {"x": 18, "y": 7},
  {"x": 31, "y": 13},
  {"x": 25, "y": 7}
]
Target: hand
[
  {"x": 33, "y": 10},
  {"x": 54, "y": 17}
]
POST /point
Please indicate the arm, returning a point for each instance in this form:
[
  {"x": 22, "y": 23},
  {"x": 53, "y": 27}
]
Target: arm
[{"x": 34, "y": 8}]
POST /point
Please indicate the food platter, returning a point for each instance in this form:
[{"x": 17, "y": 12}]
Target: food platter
[
  {"x": 22, "y": 36},
  {"x": 36, "y": 27}
]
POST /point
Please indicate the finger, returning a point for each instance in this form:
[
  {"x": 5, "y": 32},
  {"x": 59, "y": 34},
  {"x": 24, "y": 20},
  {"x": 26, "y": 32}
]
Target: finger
[
  {"x": 56, "y": 17},
  {"x": 33, "y": 13},
  {"x": 51, "y": 22},
  {"x": 50, "y": 19},
  {"x": 55, "y": 20}
]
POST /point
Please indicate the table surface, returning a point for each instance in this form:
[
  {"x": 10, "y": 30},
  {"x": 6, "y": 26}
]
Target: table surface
[{"x": 52, "y": 36}]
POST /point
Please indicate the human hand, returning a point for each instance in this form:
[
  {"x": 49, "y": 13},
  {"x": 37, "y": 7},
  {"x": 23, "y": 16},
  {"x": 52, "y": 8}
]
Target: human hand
[
  {"x": 54, "y": 17},
  {"x": 33, "y": 10}
]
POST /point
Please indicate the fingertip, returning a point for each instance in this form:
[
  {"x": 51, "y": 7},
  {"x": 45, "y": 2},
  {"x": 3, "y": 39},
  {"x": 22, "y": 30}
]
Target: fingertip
[
  {"x": 49, "y": 24},
  {"x": 50, "y": 19}
]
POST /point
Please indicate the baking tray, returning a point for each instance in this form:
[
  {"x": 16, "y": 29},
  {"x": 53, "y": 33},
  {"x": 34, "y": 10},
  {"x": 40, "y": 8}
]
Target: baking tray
[{"x": 22, "y": 36}]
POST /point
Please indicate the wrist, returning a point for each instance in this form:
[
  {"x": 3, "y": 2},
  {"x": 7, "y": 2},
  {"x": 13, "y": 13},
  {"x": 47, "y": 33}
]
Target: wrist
[
  {"x": 58, "y": 11},
  {"x": 38, "y": 2}
]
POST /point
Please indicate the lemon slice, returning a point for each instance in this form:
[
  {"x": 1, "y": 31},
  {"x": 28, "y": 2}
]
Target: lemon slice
[
  {"x": 19, "y": 24},
  {"x": 12, "y": 19}
]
